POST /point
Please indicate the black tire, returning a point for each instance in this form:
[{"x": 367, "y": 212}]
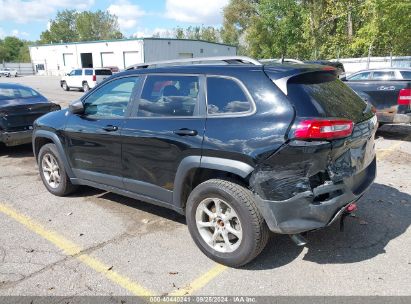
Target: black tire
[
  {"x": 86, "y": 87},
  {"x": 65, "y": 86},
  {"x": 254, "y": 229},
  {"x": 65, "y": 187}
]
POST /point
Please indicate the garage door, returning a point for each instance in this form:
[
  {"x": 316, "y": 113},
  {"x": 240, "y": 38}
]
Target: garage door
[
  {"x": 108, "y": 59},
  {"x": 68, "y": 60},
  {"x": 131, "y": 58}
]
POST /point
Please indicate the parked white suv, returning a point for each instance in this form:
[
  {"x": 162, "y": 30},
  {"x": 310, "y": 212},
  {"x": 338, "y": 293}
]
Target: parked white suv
[
  {"x": 84, "y": 79},
  {"x": 8, "y": 72}
]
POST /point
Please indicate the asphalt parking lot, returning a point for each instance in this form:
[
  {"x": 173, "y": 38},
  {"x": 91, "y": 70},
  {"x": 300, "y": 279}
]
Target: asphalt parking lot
[{"x": 99, "y": 243}]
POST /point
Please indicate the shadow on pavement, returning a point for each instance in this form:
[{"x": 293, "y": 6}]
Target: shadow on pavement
[
  {"x": 395, "y": 132},
  {"x": 17, "y": 151},
  {"x": 384, "y": 214}
]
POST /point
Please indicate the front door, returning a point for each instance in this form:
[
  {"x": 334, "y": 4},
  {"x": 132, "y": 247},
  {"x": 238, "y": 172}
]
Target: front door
[
  {"x": 74, "y": 78},
  {"x": 167, "y": 127},
  {"x": 93, "y": 139}
]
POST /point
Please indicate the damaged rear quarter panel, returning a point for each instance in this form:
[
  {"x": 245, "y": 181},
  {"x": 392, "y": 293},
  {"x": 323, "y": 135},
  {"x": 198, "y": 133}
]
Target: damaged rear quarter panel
[
  {"x": 301, "y": 166},
  {"x": 286, "y": 173}
]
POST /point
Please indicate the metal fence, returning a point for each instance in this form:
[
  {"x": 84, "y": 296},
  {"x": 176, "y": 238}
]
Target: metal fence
[
  {"x": 352, "y": 65},
  {"x": 23, "y": 68}
]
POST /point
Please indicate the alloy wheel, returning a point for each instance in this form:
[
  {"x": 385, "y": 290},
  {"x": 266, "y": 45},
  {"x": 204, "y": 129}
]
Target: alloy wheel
[
  {"x": 219, "y": 225},
  {"x": 51, "y": 170}
]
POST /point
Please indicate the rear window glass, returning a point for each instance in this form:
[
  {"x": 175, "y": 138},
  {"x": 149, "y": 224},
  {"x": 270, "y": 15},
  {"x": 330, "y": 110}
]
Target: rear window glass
[
  {"x": 103, "y": 72},
  {"x": 383, "y": 75},
  {"x": 14, "y": 93},
  {"x": 406, "y": 75},
  {"x": 323, "y": 95},
  {"x": 225, "y": 96},
  {"x": 88, "y": 72}
]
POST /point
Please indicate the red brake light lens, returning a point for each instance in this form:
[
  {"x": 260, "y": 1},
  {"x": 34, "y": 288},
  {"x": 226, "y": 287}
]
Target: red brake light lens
[
  {"x": 404, "y": 97},
  {"x": 94, "y": 78},
  {"x": 326, "y": 129}
]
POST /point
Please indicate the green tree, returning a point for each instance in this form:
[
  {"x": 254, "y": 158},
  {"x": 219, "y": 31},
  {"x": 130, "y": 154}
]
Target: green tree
[
  {"x": 277, "y": 31},
  {"x": 387, "y": 29},
  {"x": 238, "y": 17},
  {"x": 97, "y": 26},
  {"x": 62, "y": 28},
  {"x": 13, "y": 49},
  {"x": 206, "y": 33},
  {"x": 71, "y": 26}
]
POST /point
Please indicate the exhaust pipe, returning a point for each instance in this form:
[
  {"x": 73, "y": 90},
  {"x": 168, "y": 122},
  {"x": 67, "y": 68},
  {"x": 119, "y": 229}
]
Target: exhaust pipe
[{"x": 298, "y": 239}]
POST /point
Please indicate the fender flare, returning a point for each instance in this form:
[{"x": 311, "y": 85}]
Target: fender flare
[
  {"x": 56, "y": 140},
  {"x": 192, "y": 162}
]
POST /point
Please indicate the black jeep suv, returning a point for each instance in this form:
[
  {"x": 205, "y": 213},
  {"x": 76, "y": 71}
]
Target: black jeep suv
[{"x": 240, "y": 148}]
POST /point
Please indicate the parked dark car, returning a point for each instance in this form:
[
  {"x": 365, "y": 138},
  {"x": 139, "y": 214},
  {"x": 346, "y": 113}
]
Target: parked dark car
[
  {"x": 241, "y": 149},
  {"x": 388, "y": 90},
  {"x": 19, "y": 107},
  {"x": 335, "y": 64}
]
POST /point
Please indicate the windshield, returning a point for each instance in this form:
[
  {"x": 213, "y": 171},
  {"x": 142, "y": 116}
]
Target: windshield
[{"x": 17, "y": 93}]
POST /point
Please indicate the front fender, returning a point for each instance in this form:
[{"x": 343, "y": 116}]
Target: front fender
[{"x": 56, "y": 140}]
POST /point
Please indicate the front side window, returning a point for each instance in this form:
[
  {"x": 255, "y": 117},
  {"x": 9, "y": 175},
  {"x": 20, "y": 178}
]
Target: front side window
[
  {"x": 225, "y": 96},
  {"x": 75, "y": 73},
  {"x": 383, "y": 75},
  {"x": 112, "y": 99},
  {"x": 168, "y": 96},
  {"x": 360, "y": 76}
]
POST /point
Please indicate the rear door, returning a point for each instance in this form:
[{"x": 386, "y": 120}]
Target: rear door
[
  {"x": 167, "y": 126},
  {"x": 74, "y": 80}
]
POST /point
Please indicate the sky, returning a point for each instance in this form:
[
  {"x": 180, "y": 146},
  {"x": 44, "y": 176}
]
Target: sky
[{"x": 26, "y": 19}]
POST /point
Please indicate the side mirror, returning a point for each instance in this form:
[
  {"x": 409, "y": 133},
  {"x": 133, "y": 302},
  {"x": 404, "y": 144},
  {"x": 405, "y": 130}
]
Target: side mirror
[
  {"x": 343, "y": 78},
  {"x": 76, "y": 107}
]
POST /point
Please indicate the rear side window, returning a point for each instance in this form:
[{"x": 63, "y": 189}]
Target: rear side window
[
  {"x": 103, "y": 72},
  {"x": 225, "y": 96},
  {"x": 169, "y": 96},
  {"x": 360, "y": 76},
  {"x": 88, "y": 72},
  {"x": 406, "y": 75},
  {"x": 321, "y": 94},
  {"x": 383, "y": 75}
]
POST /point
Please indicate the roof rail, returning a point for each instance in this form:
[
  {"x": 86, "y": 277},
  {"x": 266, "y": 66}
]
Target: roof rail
[{"x": 199, "y": 60}]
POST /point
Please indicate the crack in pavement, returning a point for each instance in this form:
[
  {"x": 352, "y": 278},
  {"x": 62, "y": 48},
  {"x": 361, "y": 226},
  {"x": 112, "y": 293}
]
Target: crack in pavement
[{"x": 88, "y": 250}]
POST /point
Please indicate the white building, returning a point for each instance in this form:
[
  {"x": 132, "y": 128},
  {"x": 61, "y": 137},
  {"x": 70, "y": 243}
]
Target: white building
[{"x": 61, "y": 58}]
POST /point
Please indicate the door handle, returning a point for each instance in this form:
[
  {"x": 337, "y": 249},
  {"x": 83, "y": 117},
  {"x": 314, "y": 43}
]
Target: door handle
[
  {"x": 186, "y": 132},
  {"x": 110, "y": 128}
]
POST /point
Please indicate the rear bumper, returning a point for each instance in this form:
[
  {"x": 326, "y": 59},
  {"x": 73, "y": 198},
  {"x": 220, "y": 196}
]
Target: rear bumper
[
  {"x": 16, "y": 138},
  {"x": 302, "y": 213},
  {"x": 384, "y": 117}
]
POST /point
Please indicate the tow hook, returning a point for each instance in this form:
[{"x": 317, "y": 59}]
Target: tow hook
[
  {"x": 298, "y": 239},
  {"x": 348, "y": 211}
]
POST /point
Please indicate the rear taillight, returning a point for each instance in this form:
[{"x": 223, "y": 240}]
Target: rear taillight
[
  {"x": 94, "y": 78},
  {"x": 323, "y": 129},
  {"x": 404, "y": 97}
]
